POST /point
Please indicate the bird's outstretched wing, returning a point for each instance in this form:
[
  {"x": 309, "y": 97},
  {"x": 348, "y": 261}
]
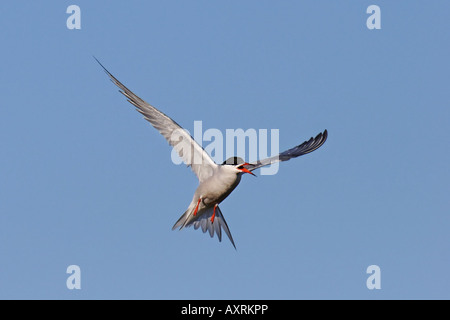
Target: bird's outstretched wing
[
  {"x": 188, "y": 149},
  {"x": 304, "y": 148}
]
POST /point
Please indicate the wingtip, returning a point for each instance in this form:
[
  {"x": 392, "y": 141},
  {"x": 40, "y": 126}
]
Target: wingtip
[
  {"x": 95, "y": 58},
  {"x": 101, "y": 65}
]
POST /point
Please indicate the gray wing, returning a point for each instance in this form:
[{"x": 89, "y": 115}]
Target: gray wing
[
  {"x": 188, "y": 149},
  {"x": 304, "y": 148}
]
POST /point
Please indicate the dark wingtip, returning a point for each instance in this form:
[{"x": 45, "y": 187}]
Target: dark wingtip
[
  {"x": 98, "y": 61},
  {"x": 104, "y": 69},
  {"x": 321, "y": 138},
  {"x": 324, "y": 136}
]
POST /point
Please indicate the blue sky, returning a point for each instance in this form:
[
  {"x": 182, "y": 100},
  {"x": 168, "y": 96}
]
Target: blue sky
[{"x": 85, "y": 181}]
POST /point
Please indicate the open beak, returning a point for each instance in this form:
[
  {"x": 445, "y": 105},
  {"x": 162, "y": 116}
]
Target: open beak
[{"x": 246, "y": 170}]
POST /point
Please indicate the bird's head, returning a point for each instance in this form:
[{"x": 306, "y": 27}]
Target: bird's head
[{"x": 239, "y": 164}]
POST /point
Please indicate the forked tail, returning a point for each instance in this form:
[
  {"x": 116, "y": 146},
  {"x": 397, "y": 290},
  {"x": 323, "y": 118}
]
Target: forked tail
[{"x": 203, "y": 219}]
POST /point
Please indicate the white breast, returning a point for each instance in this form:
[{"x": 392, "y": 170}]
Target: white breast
[{"x": 217, "y": 187}]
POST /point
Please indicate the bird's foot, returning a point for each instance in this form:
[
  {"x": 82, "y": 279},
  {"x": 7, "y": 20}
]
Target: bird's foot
[
  {"x": 214, "y": 214},
  {"x": 196, "y": 208}
]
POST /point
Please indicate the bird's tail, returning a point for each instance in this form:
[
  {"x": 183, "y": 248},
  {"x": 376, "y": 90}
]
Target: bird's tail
[
  {"x": 203, "y": 219},
  {"x": 183, "y": 219}
]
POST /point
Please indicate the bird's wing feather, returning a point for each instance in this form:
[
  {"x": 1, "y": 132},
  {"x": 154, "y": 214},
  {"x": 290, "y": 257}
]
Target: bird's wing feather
[
  {"x": 188, "y": 149},
  {"x": 304, "y": 148}
]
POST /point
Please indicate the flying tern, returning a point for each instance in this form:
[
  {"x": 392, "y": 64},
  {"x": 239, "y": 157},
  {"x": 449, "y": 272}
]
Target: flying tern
[{"x": 216, "y": 181}]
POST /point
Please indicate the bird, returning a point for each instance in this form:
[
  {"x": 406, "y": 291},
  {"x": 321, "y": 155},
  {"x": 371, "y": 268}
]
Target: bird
[{"x": 216, "y": 181}]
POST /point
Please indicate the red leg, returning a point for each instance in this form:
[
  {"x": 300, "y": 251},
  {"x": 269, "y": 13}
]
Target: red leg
[
  {"x": 214, "y": 214},
  {"x": 196, "y": 208}
]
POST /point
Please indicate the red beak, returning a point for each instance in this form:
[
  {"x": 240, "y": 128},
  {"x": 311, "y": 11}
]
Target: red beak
[{"x": 246, "y": 170}]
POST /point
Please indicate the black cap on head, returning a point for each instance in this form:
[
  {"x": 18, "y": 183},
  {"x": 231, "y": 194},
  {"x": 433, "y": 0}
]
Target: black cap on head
[{"x": 233, "y": 161}]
